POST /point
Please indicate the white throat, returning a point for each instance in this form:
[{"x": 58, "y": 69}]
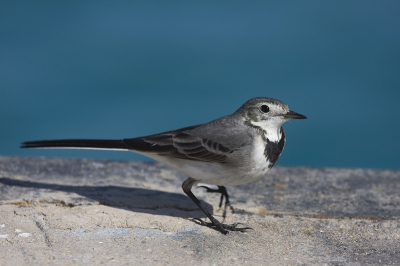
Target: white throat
[{"x": 271, "y": 129}]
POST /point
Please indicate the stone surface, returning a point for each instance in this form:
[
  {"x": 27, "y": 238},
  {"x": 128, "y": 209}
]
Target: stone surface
[{"x": 64, "y": 211}]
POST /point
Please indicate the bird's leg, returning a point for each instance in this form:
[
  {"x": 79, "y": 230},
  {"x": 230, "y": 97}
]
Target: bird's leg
[
  {"x": 224, "y": 193},
  {"x": 187, "y": 186}
]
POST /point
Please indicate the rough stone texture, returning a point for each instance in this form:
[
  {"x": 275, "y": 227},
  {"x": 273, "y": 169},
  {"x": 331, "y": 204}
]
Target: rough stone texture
[{"x": 64, "y": 211}]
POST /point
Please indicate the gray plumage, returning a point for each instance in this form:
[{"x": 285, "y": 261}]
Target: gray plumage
[{"x": 231, "y": 150}]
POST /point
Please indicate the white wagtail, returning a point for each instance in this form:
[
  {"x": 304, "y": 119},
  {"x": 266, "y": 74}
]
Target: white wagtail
[{"x": 232, "y": 150}]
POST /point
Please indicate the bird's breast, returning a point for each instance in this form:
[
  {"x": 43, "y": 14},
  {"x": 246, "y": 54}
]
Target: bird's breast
[{"x": 274, "y": 148}]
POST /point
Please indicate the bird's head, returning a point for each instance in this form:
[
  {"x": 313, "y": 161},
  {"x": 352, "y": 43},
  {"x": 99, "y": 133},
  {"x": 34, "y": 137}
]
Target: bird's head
[{"x": 267, "y": 113}]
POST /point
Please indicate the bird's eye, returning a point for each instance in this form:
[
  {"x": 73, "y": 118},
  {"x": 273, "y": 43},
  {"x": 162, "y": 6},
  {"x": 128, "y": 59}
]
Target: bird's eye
[{"x": 264, "y": 108}]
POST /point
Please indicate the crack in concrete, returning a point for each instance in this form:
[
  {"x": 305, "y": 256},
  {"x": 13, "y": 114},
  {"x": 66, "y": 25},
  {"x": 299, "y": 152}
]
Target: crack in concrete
[{"x": 41, "y": 224}]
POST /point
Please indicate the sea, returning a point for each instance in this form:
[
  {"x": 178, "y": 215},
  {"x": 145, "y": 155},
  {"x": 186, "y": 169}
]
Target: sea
[{"x": 125, "y": 69}]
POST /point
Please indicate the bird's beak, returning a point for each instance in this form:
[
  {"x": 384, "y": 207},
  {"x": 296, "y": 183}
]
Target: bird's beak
[{"x": 293, "y": 115}]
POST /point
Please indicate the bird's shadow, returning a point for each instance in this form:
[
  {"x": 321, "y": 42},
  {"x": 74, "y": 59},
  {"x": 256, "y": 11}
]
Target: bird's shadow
[{"x": 139, "y": 199}]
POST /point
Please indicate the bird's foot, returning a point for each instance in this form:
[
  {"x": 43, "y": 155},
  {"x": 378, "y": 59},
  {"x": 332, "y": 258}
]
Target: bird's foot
[{"x": 223, "y": 228}]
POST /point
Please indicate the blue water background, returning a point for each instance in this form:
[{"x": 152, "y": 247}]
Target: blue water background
[{"x": 122, "y": 69}]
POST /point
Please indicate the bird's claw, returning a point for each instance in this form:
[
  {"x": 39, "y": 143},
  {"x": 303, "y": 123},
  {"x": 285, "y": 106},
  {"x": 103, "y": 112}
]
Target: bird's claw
[{"x": 224, "y": 228}]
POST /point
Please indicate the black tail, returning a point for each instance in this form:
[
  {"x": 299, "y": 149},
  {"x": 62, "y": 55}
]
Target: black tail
[{"x": 77, "y": 143}]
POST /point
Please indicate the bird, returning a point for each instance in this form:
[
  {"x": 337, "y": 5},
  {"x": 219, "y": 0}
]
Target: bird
[{"x": 235, "y": 149}]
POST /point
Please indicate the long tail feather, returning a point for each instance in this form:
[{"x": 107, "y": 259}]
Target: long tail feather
[{"x": 77, "y": 144}]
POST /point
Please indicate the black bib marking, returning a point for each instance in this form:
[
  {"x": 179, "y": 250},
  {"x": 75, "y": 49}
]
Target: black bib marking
[{"x": 274, "y": 149}]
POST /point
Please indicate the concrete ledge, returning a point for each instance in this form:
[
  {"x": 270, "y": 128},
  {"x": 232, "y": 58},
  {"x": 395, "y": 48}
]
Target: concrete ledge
[{"x": 64, "y": 211}]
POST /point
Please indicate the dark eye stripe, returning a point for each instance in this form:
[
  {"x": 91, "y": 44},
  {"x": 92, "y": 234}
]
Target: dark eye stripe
[{"x": 264, "y": 108}]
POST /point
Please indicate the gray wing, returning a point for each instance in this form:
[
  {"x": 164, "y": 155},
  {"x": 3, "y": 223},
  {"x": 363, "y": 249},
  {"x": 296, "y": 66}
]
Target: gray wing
[{"x": 181, "y": 144}]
